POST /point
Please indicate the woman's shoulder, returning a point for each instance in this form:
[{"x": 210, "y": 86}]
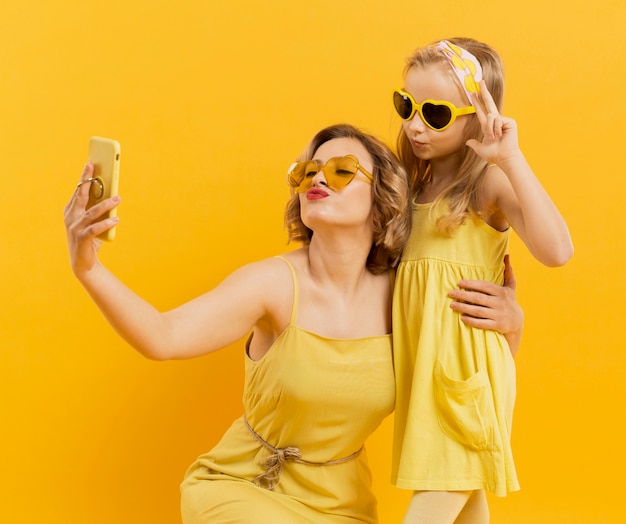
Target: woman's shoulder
[
  {"x": 270, "y": 281},
  {"x": 276, "y": 273},
  {"x": 272, "y": 269}
]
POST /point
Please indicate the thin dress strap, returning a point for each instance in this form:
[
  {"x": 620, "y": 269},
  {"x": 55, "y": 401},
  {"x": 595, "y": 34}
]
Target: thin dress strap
[{"x": 294, "y": 308}]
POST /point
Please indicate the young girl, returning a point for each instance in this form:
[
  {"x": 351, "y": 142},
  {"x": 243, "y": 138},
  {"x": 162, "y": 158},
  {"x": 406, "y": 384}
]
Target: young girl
[{"x": 455, "y": 385}]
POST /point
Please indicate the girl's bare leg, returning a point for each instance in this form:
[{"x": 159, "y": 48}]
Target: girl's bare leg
[
  {"x": 476, "y": 511},
  {"x": 447, "y": 507},
  {"x": 435, "y": 507}
]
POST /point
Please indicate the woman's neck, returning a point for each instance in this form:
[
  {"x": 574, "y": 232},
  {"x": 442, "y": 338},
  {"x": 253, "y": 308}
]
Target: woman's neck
[{"x": 340, "y": 261}]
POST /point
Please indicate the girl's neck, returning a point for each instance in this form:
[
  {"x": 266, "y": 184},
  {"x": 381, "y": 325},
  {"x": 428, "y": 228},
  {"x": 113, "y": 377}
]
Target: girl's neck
[{"x": 439, "y": 177}]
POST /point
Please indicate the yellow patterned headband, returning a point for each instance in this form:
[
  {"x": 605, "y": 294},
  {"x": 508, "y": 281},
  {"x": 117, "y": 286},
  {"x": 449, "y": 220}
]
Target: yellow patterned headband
[{"x": 465, "y": 65}]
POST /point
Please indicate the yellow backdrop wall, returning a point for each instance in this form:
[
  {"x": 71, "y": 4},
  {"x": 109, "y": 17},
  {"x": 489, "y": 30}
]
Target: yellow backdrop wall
[{"x": 211, "y": 101}]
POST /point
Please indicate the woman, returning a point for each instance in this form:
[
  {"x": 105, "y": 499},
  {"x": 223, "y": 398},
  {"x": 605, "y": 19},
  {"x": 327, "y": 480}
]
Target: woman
[{"x": 319, "y": 374}]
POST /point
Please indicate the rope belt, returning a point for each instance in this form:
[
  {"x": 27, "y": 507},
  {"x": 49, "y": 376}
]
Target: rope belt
[{"x": 273, "y": 463}]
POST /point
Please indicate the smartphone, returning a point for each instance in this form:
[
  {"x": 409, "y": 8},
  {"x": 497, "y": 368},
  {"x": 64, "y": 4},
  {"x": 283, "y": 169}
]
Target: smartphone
[{"x": 104, "y": 154}]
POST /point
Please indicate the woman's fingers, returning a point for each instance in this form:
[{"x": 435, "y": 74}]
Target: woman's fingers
[
  {"x": 90, "y": 220},
  {"x": 88, "y": 225},
  {"x": 488, "y": 305},
  {"x": 80, "y": 196},
  {"x": 83, "y": 226},
  {"x": 76, "y": 211},
  {"x": 478, "y": 299},
  {"x": 481, "y": 287},
  {"x": 509, "y": 276}
]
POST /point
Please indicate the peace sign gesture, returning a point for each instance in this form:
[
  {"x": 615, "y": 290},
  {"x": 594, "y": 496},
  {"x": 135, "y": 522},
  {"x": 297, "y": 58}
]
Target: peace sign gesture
[{"x": 499, "y": 132}]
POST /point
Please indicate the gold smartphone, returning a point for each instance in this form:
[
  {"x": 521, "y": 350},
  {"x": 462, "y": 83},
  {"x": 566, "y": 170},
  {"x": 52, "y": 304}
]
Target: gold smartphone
[{"x": 104, "y": 154}]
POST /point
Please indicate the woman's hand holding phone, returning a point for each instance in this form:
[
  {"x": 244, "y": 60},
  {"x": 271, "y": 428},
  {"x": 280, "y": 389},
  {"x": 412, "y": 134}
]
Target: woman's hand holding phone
[{"x": 90, "y": 215}]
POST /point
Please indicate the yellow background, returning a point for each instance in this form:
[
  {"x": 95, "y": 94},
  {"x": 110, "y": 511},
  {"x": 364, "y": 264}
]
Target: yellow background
[{"x": 211, "y": 101}]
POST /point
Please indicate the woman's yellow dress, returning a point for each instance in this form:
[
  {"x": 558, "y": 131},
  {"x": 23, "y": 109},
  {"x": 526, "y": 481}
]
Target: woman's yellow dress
[{"x": 323, "y": 396}]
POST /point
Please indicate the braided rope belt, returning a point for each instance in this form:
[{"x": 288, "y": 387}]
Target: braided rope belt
[{"x": 273, "y": 463}]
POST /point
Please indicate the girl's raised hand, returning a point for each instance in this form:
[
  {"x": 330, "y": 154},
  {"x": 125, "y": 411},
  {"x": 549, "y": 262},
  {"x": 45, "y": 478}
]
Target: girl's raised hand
[
  {"x": 499, "y": 142},
  {"x": 82, "y": 226}
]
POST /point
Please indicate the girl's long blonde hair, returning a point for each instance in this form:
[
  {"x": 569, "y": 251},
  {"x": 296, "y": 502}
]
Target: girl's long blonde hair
[{"x": 461, "y": 197}]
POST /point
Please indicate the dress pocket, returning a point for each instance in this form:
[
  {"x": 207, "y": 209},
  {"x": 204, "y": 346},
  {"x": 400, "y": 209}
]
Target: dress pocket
[{"x": 465, "y": 409}]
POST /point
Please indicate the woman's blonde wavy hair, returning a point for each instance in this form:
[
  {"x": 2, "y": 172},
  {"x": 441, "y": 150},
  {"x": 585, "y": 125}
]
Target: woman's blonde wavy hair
[
  {"x": 462, "y": 197},
  {"x": 391, "y": 198}
]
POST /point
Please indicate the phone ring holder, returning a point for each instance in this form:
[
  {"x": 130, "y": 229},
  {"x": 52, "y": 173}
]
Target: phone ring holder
[{"x": 91, "y": 189}]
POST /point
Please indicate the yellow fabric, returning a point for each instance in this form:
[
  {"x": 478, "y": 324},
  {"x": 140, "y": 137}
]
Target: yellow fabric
[
  {"x": 455, "y": 385},
  {"x": 323, "y": 396}
]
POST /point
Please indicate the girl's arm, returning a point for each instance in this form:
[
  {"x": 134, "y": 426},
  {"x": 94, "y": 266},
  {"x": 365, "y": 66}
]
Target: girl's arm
[
  {"x": 489, "y": 306},
  {"x": 520, "y": 198},
  {"x": 200, "y": 326},
  {"x": 515, "y": 191}
]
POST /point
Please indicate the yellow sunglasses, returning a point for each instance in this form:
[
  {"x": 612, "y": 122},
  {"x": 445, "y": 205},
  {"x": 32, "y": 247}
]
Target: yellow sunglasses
[
  {"x": 436, "y": 114},
  {"x": 339, "y": 172}
]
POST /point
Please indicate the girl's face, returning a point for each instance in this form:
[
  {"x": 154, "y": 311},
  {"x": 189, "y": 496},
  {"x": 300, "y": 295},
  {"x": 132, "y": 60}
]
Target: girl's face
[
  {"x": 351, "y": 206},
  {"x": 434, "y": 83}
]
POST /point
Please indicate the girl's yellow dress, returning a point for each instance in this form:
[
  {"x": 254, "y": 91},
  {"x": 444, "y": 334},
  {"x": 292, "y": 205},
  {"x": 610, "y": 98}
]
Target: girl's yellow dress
[
  {"x": 455, "y": 385},
  {"x": 322, "y": 396}
]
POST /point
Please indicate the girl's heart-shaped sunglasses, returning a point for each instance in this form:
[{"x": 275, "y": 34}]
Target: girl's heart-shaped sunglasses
[{"x": 436, "y": 114}]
